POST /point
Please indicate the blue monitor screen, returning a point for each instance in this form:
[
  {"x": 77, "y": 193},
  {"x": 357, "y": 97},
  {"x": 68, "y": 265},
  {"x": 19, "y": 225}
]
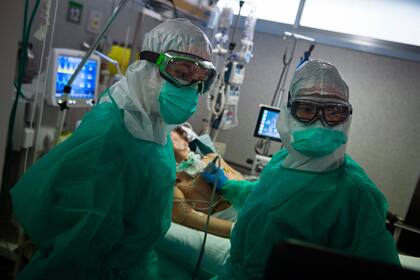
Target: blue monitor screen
[
  {"x": 266, "y": 126},
  {"x": 85, "y": 82}
]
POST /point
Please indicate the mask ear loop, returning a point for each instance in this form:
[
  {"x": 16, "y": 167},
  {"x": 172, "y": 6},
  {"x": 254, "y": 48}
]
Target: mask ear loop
[{"x": 152, "y": 57}]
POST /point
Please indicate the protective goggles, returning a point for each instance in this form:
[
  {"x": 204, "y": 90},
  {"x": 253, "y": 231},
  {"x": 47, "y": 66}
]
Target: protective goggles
[
  {"x": 181, "y": 69},
  {"x": 331, "y": 113}
]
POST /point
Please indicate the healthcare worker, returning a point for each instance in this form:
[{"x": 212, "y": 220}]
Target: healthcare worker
[
  {"x": 96, "y": 205},
  {"x": 310, "y": 190}
]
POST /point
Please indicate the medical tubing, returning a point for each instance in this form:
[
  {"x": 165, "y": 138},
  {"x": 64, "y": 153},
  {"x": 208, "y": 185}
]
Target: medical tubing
[
  {"x": 37, "y": 92},
  {"x": 41, "y": 109},
  {"x": 193, "y": 202},
  {"x": 26, "y": 30},
  {"x": 210, "y": 211},
  {"x": 21, "y": 71}
]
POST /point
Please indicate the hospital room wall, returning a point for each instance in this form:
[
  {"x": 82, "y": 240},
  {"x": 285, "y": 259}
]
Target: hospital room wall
[
  {"x": 385, "y": 131},
  {"x": 71, "y": 35}
]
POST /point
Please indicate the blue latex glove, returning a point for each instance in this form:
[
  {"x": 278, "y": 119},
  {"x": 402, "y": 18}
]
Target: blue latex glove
[{"x": 212, "y": 173}]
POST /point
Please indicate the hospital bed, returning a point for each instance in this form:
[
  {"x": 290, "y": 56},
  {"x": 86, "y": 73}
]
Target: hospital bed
[{"x": 179, "y": 251}]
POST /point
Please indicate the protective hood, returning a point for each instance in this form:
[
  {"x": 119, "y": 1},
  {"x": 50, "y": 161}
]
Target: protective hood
[
  {"x": 138, "y": 93},
  {"x": 314, "y": 78}
]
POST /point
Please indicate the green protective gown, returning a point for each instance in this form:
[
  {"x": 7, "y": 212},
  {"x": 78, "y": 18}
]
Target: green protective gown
[
  {"x": 340, "y": 209},
  {"x": 96, "y": 204}
]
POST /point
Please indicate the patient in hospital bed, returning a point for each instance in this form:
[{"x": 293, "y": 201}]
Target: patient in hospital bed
[
  {"x": 179, "y": 250},
  {"x": 192, "y": 194}
]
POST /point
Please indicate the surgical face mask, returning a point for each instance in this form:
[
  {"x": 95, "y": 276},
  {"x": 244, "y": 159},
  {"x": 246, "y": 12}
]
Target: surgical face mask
[
  {"x": 317, "y": 141},
  {"x": 177, "y": 104},
  {"x": 304, "y": 152}
]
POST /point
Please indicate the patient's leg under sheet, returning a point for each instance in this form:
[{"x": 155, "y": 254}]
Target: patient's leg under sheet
[{"x": 181, "y": 248}]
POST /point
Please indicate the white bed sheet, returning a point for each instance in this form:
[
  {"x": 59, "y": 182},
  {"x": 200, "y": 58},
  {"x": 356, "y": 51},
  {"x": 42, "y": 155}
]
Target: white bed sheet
[
  {"x": 410, "y": 262},
  {"x": 179, "y": 250}
]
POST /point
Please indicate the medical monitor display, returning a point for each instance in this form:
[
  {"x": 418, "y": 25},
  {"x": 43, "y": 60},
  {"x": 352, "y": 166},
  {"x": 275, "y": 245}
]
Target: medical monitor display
[
  {"x": 85, "y": 83},
  {"x": 266, "y": 125}
]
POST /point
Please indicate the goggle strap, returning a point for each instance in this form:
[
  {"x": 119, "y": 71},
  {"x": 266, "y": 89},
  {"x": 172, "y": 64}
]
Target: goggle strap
[
  {"x": 152, "y": 57},
  {"x": 160, "y": 59}
]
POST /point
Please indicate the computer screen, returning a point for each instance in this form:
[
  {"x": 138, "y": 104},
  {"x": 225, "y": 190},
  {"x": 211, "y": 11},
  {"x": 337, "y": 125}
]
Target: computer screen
[
  {"x": 294, "y": 259},
  {"x": 84, "y": 89},
  {"x": 85, "y": 83},
  {"x": 266, "y": 124}
]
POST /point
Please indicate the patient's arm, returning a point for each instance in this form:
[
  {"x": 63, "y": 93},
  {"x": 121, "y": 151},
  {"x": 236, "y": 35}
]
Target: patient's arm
[{"x": 183, "y": 213}]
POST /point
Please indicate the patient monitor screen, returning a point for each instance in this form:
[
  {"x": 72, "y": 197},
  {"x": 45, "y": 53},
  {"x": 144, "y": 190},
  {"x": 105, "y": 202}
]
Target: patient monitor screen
[
  {"x": 85, "y": 83},
  {"x": 266, "y": 124}
]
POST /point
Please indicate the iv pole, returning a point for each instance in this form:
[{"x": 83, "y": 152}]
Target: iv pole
[
  {"x": 279, "y": 99},
  {"x": 67, "y": 89}
]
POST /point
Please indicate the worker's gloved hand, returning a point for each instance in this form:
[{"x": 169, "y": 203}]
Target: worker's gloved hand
[{"x": 214, "y": 175}]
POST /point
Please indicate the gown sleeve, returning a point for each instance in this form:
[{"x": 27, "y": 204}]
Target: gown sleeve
[
  {"x": 236, "y": 192},
  {"x": 372, "y": 239}
]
